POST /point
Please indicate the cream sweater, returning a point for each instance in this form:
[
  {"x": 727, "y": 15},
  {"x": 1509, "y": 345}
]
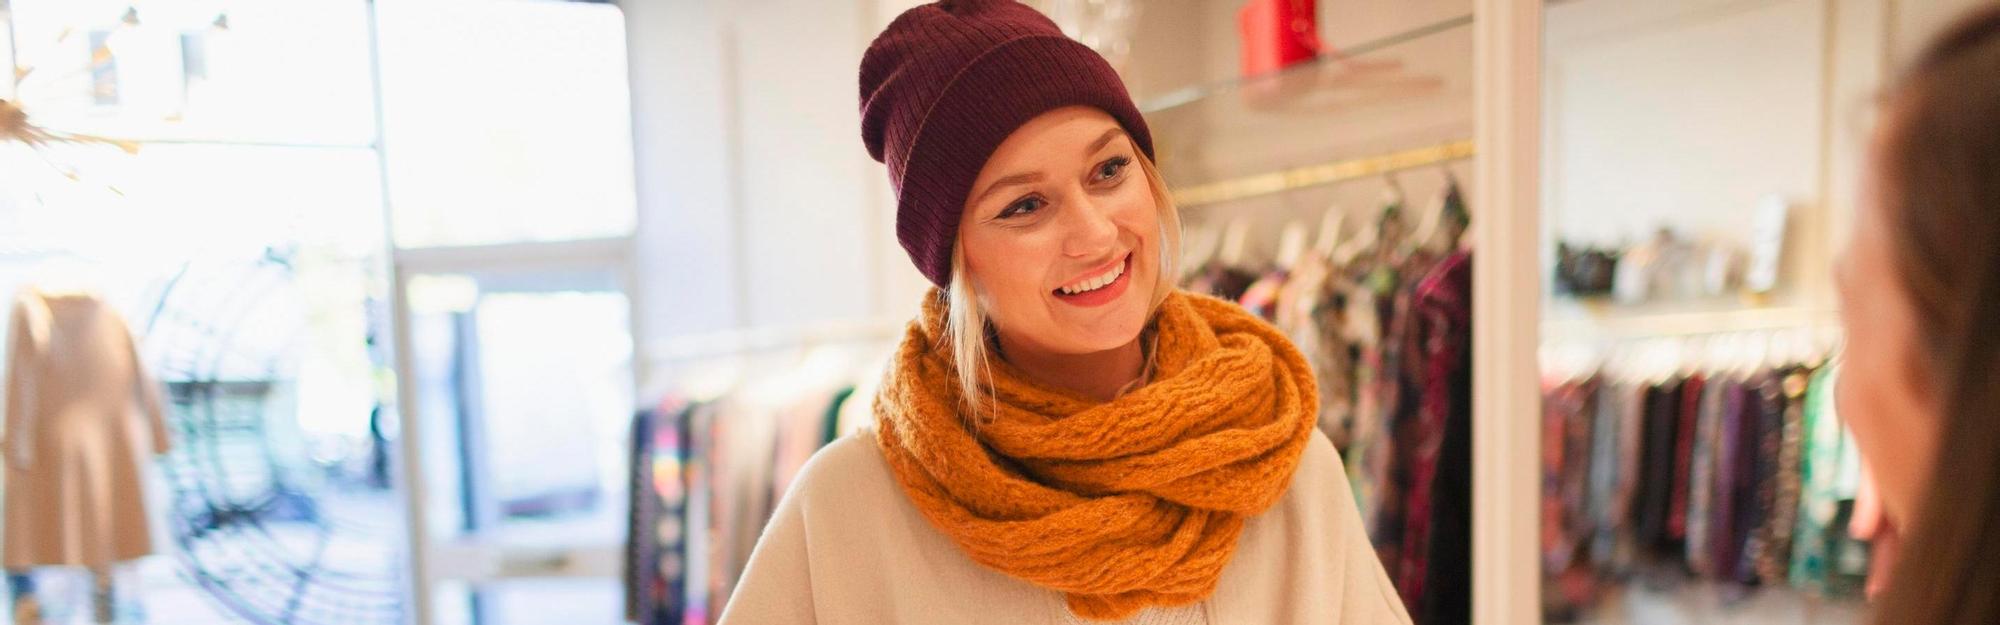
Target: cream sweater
[{"x": 846, "y": 547}]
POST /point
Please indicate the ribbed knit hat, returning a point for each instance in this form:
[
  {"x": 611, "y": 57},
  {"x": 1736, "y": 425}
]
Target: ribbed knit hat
[{"x": 946, "y": 82}]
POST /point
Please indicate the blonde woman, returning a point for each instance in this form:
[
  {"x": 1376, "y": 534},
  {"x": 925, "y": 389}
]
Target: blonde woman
[{"x": 1063, "y": 436}]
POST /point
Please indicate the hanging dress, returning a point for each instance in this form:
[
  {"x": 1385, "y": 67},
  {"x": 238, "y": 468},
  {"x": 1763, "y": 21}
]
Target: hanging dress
[{"x": 82, "y": 418}]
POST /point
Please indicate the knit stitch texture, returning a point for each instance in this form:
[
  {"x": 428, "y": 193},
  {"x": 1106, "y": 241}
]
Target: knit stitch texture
[
  {"x": 1119, "y": 505},
  {"x": 946, "y": 83}
]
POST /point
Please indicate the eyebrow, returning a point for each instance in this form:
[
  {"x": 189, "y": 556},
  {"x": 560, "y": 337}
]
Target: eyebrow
[{"x": 1025, "y": 178}]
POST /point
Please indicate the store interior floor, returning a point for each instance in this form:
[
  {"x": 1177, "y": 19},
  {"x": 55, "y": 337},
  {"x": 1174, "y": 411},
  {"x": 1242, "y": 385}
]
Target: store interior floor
[{"x": 171, "y": 596}]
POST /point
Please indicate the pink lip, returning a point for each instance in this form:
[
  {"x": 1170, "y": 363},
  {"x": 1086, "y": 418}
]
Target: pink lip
[
  {"x": 1095, "y": 272},
  {"x": 1105, "y": 295}
]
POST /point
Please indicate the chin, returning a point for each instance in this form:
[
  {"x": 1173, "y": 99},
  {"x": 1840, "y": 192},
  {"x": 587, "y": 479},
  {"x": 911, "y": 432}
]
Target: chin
[
  {"x": 1111, "y": 329},
  {"x": 1109, "y": 338}
]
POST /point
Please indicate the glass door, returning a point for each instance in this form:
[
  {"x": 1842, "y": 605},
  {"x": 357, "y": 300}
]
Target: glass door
[
  {"x": 509, "y": 173},
  {"x": 525, "y": 386}
]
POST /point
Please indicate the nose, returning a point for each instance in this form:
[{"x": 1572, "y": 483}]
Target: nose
[{"x": 1089, "y": 232}]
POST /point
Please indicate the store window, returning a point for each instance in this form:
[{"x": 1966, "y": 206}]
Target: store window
[
  {"x": 224, "y": 199},
  {"x": 506, "y": 122},
  {"x": 225, "y": 192},
  {"x": 291, "y": 73}
]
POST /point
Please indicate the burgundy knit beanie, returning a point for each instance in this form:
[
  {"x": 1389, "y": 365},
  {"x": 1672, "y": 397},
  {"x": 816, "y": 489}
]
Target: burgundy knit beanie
[{"x": 946, "y": 82}]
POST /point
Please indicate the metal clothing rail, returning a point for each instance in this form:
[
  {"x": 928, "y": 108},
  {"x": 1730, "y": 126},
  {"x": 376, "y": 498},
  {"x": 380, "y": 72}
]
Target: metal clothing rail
[
  {"x": 729, "y": 343},
  {"x": 1320, "y": 174},
  {"x": 1690, "y": 324}
]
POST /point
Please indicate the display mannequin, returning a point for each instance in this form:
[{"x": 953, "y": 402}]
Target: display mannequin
[{"x": 82, "y": 418}]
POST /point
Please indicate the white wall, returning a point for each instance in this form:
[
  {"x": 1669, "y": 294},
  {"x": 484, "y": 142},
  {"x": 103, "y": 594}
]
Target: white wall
[
  {"x": 759, "y": 206},
  {"x": 1684, "y": 115},
  {"x": 686, "y": 230},
  {"x": 1917, "y": 20},
  {"x": 801, "y": 171}
]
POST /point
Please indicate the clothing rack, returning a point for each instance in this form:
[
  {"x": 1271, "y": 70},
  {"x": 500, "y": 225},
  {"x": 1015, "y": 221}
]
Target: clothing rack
[
  {"x": 1386, "y": 333},
  {"x": 729, "y": 343},
  {"x": 704, "y": 366},
  {"x": 1660, "y": 345},
  {"x": 1693, "y": 323},
  {"x": 707, "y": 473},
  {"x": 1711, "y": 484}
]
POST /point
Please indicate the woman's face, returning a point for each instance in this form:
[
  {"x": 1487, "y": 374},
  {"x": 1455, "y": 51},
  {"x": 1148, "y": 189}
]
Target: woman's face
[
  {"x": 1884, "y": 394},
  {"x": 1060, "y": 235}
]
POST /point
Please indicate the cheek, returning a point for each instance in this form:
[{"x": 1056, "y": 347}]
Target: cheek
[
  {"x": 1138, "y": 217},
  {"x": 1880, "y": 401},
  {"x": 1008, "y": 270},
  {"x": 1860, "y": 396},
  {"x": 1137, "y": 208},
  {"x": 1884, "y": 441}
]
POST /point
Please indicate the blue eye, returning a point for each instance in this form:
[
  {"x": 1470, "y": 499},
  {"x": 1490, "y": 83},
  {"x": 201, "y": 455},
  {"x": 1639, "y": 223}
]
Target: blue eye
[
  {"x": 1021, "y": 207},
  {"x": 1112, "y": 168}
]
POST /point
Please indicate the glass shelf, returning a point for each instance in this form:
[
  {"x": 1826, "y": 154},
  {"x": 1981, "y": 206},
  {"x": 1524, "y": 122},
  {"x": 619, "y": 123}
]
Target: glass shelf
[
  {"x": 1196, "y": 93},
  {"x": 1332, "y": 118}
]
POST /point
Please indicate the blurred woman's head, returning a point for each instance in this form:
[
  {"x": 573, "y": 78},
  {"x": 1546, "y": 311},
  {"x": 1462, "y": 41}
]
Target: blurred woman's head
[{"x": 1920, "y": 293}]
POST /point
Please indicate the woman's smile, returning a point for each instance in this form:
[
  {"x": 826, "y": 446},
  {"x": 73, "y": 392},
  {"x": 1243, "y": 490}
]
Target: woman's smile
[{"x": 1098, "y": 287}]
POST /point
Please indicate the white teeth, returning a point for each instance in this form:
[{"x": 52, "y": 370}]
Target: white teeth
[{"x": 1095, "y": 283}]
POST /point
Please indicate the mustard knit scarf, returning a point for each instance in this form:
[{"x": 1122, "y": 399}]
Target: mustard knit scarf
[{"x": 1118, "y": 505}]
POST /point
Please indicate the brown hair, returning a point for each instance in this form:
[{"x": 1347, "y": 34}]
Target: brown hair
[{"x": 1941, "y": 162}]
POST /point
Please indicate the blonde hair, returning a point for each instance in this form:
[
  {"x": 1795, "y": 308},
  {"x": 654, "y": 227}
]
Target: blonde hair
[{"x": 967, "y": 328}]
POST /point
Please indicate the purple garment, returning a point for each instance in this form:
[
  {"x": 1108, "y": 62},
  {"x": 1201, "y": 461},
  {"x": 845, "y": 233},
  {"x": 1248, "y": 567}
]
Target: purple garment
[
  {"x": 1442, "y": 464},
  {"x": 1703, "y": 475},
  {"x": 1732, "y": 479},
  {"x": 1769, "y": 439}
]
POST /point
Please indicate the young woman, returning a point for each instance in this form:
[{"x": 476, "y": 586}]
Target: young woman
[
  {"x": 1062, "y": 436},
  {"x": 1921, "y": 298}
]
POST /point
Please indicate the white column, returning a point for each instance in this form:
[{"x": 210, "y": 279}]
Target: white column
[{"x": 1506, "y": 293}]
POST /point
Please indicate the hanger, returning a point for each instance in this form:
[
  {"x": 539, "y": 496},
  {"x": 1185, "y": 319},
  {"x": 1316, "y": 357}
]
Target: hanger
[
  {"x": 1360, "y": 245},
  {"x": 1449, "y": 214},
  {"x": 1235, "y": 239},
  {"x": 1198, "y": 247},
  {"x": 1393, "y": 198},
  {"x": 1759, "y": 345},
  {"x": 1292, "y": 244},
  {"x": 1690, "y": 351},
  {"x": 1374, "y": 237},
  {"x": 1394, "y": 240},
  {"x": 1660, "y": 361},
  {"x": 1329, "y": 232},
  {"x": 1431, "y": 221}
]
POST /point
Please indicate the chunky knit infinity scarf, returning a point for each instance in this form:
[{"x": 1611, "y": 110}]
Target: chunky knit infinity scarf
[{"x": 1122, "y": 504}]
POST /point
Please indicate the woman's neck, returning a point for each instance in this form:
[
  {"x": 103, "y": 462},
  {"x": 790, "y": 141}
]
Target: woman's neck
[{"x": 1096, "y": 375}]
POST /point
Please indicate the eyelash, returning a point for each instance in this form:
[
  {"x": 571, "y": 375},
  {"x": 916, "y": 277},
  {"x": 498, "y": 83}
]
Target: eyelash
[{"x": 1119, "y": 162}]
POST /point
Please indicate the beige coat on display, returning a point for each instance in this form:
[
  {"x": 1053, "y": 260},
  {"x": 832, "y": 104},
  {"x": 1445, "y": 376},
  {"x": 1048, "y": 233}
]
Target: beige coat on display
[{"x": 83, "y": 417}]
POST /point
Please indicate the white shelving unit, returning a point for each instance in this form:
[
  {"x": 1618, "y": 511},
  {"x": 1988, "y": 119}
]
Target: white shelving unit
[{"x": 1708, "y": 104}]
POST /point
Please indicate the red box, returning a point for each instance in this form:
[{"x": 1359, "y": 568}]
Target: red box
[{"x": 1277, "y": 34}]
